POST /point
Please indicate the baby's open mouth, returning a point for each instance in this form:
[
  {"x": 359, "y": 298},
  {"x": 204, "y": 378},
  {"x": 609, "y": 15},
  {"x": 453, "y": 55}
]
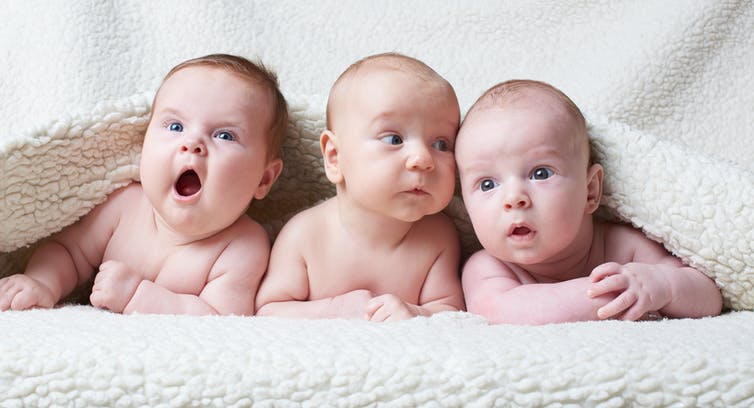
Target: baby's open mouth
[
  {"x": 188, "y": 183},
  {"x": 521, "y": 231}
]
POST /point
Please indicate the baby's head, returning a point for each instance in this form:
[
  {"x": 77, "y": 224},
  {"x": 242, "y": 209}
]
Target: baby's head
[
  {"x": 255, "y": 75},
  {"x": 213, "y": 142},
  {"x": 526, "y": 175},
  {"x": 391, "y": 129}
]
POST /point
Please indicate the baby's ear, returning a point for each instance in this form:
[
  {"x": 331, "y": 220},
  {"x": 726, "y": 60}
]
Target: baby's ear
[
  {"x": 271, "y": 173},
  {"x": 328, "y": 145},
  {"x": 593, "y": 187}
]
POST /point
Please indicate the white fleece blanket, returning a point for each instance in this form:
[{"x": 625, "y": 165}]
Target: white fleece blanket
[
  {"x": 96, "y": 358},
  {"x": 668, "y": 88}
]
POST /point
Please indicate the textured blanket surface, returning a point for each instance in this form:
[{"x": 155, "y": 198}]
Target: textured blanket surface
[
  {"x": 668, "y": 88},
  {"x": 84, "y": 357}
]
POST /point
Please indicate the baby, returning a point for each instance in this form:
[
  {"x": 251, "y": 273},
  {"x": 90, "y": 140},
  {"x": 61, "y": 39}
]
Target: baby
[
  {"x": 179, "y": 242},
  {"x": 380, "y": 249},
  {"x": 530, "y": 189}
]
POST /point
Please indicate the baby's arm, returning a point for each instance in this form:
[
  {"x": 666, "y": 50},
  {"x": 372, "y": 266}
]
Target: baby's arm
[
  {"x": 441, "y": 289},
  {"x": 653, "y": 281},
  {"x": 494, "y": 291},
  {"x": 285, "y": 288},
  {"x": 66, "y": 259},
  {"x": 231, "y": 286}
]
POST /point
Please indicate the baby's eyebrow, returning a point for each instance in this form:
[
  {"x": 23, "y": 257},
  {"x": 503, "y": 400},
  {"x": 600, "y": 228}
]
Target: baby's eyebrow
[
  {"x": 475, "y": 166},
  {"x": 167, "y": 110},
  {"x": 382, "y": 117},
  {"x": 549, "y": 152}
]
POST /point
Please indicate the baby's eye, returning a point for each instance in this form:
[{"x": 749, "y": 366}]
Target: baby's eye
[
  {"x": 487, "y": 185},
  {"x": 392, "y": 139},
  {"x": 175, "y": 127},
  {"x": 541, "y": 173},
  {"x": 441, "y": 145},
  {"x": 225, "y": 136}
]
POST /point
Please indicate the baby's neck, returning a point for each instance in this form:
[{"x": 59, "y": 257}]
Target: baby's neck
[
  {"x": 374, "y": 229},
  {"x": 170, "y": 237}
]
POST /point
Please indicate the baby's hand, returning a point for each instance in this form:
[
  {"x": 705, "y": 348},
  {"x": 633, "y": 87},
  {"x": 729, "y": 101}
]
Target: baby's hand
[
  {"x": 114, "y": 286},
  {"x": 643, "y": 288},
  {"x": 387, "y": 308},
  {"x": 350, "y": 305},
  {"x": 20, "y": 292}
]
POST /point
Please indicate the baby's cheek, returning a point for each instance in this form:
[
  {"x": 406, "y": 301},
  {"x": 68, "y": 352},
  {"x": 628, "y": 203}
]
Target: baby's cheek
[
  {"x": 488, "y": 229},
  {"x": 565, "y": 225}
]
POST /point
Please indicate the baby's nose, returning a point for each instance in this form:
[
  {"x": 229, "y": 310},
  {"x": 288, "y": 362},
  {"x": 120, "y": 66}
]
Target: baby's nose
[
  {"x": 420, "y": 159},
  {"x": 194, "y": 146},
  {"x": 516, "y": 199}
]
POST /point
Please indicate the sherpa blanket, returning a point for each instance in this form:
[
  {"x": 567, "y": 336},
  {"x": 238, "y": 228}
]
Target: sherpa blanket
[{"x": 667, "y": 87}]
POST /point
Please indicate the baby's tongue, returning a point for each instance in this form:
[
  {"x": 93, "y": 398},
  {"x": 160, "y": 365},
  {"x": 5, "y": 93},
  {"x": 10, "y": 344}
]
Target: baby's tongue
[
  {"x": 188, "y": 184},
  {"x": 521, "y": 231}
]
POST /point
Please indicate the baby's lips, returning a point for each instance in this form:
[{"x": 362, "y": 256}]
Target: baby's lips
[{"x": 519, "y": 229}]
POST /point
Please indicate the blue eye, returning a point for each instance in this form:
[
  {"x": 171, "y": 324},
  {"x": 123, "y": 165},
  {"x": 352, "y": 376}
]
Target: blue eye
[
  {"x": 392, "y": 139},
  {"x": 441, "y": 145},
  {"x": 541, "y": 173},
  {"x": 487, "y": 185},
  {"x": 175, "y": 127},
  {"x": 225, "y": 136}
]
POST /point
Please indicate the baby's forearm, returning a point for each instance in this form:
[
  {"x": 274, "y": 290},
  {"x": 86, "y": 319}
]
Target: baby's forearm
[
  {"x": 693, "y": 294},
  {"x": 540, "y": 303},
  {"x": 153, "y": 298},
  {"x": 440, "y": 305},
  {"x": 53, "y": 266},
  {"x": 313, "y": 309}
]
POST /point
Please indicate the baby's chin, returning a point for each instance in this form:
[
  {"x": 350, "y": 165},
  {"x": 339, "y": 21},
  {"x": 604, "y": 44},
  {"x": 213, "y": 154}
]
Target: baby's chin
[
  {"x": 413, "y": 214},
  {"x": 193, "y": 225},
  {"x": 521, "y": 258}
]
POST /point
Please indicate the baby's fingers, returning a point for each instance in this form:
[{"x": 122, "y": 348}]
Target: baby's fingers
[
  {"x": 613, "y": 283},
  {"x": 374, "y": 306},
  {"x": 634, "y": 313},
  {"x": 24, "y": 300},
  {"x": 380, "y": 315},
  {"x": 617, "y": 305},
  {"x": 7, "y": 293},
  {"x": 604, "y": 270}
]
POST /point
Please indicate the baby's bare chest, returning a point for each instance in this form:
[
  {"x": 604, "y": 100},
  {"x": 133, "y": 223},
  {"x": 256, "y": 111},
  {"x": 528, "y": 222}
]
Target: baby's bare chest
[
  {"x": 181, "y": 269},
  {"x": 399, "y": 272}
]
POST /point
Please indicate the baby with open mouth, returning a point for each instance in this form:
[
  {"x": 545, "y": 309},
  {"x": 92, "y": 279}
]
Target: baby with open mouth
[
  {"x": 179, "y": 241},
  {"x": 188, "y": 184},
  {"x": 530, "y": 187}
]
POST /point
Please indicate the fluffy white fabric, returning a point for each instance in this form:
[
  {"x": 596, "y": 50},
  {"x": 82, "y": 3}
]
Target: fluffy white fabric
[
  {"x": 668, "y": 88},
  {"x": 96, "y": 358}
]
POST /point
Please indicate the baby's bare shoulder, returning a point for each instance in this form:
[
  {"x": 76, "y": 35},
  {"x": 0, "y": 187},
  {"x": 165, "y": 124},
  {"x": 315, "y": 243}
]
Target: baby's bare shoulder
[
  {"x": 245, "y": 230},
  {"x": 620, "y": 234},
  {"x": 130, "y": 193},
  {"x": 310, "y": 221},
  {"x": 624, "y": 243}
]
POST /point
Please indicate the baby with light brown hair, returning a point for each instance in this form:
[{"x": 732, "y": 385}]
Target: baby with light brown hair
[
  {"x": 179, "y": 241},
  {"x": 380, "y": 249},
  {"x": 531, "y": 187}
]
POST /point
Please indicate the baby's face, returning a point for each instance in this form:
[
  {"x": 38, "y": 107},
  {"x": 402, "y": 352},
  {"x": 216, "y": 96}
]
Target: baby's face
[
  {"x": 396, "y": 135},
  {"x": 523, "y": 172},
  {"x": 205, "y": 150}
]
